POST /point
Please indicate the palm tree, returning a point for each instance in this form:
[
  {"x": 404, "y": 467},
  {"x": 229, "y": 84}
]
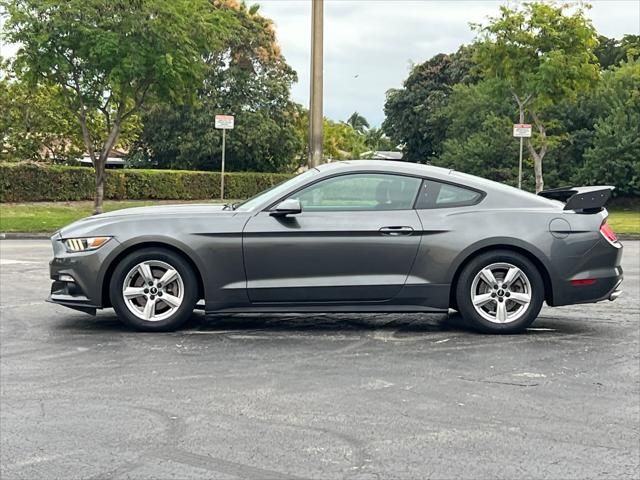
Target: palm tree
[{"x": 358, "y": 122}]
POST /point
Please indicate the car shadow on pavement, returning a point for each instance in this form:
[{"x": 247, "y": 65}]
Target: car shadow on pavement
[{"x": 322, "y": 323}]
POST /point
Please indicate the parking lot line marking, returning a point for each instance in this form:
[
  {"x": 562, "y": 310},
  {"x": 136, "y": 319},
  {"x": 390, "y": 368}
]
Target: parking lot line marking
[
  {"x": 8, "y": 261},
  {"x": 210, "y": 332}
]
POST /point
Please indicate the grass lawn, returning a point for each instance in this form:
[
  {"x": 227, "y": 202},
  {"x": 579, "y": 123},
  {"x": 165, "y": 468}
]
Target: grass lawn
[
  {"x": 50, "y": 216},
  {"x": 625, "y": 221}
]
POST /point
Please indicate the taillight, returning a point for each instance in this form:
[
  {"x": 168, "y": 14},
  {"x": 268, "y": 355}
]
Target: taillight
[{"x": 608, "y": 233}]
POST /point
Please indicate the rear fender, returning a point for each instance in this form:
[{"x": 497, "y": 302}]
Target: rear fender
[{"x": 530, "y": 251}]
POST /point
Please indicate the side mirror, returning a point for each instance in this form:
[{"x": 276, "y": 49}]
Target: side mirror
[{"x": 290, "y": 206}]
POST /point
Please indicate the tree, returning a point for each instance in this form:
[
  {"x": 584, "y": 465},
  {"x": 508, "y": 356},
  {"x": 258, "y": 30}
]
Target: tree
[
  {"x": 614, "y": 157},
  {"x": 35, "y": 124},
  {"x": 544, "y": 54},
  {"x": 377, "y": 140},
  {"x": 247, "y": 77},
  {"x": 478, "y": 136},
  {"x": 185, "y": 138},
  {"x": 108, "y": 56},
  {"x": 413, "y": 113},
  {"x": 358, "y": 122},
  {"x": 611, "y": 51},
  {"x": 341, "y": 141}
]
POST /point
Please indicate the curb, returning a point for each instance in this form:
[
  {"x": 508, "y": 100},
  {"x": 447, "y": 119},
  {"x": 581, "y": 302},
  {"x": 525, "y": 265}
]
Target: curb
[{"x": 25, "y": 236}]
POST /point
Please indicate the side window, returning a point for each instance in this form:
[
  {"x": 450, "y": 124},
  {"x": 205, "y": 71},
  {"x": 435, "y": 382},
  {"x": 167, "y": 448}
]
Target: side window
[
  {"x": 442, "y": 195},
  {"x": 360, "y": 191}
]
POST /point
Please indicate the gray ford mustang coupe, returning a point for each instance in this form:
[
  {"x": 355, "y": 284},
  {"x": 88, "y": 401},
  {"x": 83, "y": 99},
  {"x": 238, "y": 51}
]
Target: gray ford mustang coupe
[{"x": 351, "y": 236}]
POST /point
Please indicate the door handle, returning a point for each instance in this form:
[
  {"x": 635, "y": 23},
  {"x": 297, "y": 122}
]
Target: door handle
[{"x": 396, "y": 231}]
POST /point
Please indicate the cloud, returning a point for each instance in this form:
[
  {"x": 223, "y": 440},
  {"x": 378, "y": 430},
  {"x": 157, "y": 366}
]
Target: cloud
[{"x": 369, "y": 45}]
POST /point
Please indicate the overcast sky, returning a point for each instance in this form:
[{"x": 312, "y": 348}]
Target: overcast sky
[{"x": 369, "y": 45}]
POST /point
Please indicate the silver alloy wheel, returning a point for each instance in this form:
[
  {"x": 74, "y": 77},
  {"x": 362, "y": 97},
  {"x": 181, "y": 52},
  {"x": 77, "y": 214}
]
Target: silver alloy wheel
[
  {"x": 501, "y": 293},
  {"x": 153, "y": 290}
]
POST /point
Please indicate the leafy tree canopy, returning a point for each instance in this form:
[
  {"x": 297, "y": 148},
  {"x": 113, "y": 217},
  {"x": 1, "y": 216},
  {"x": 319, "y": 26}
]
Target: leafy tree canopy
[
  {"x": 247, "y": 77},
  {"x": 413, "y": 113},
  {"x": 35, "y": 124},
  {"x": 611, "y": 52},
  {"x": 358, "y": 122},
  {"x": 543, "y": 53},
  {"x": 109, "y": 56},
  {"x": 614, "y": 156}
]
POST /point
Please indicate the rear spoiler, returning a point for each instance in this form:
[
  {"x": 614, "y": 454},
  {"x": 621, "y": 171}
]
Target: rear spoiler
[{"x": 586, "y": 199}]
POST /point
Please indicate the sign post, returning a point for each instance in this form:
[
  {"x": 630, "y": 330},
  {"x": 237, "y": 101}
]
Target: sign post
[
  {"x": 224, "y": 123},
  {"x": 521, "y": 131}
]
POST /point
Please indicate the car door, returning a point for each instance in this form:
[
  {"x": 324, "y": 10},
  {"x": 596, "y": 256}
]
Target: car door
[{"x": 355, "y": 240}]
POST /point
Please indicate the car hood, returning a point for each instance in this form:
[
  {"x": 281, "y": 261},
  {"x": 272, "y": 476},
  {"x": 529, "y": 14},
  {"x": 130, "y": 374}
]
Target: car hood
[
  {"x": 184, "y": 210},
  {"x": 181, "y": 209}
]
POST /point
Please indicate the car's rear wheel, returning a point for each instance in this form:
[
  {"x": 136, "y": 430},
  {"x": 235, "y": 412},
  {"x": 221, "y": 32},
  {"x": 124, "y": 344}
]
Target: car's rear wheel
[
  {"x": 153, "y": 289},
  {"x": 500, "y": 292}
]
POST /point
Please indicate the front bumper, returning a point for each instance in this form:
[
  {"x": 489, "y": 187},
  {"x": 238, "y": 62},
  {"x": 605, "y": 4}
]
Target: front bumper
[
  {"x": 77, "y": 277},
  {"x": 69, "y": 295}
]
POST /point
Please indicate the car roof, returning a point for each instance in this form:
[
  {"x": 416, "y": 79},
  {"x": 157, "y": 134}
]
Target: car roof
[{"x": 397, "y": 166}]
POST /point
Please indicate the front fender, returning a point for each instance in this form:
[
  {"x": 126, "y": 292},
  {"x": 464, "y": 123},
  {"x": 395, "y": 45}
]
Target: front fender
[{"x": 110, "y": 262}]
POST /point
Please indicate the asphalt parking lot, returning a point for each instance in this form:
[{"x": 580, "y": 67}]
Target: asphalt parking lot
[{"x": 314, "y": 396}]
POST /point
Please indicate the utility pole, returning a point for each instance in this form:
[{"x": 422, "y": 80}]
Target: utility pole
[{"x": 315, "y": 97}]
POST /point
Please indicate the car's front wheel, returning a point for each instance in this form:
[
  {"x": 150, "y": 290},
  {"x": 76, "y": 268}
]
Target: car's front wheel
[
  {"x": 154, "y": 289},
  {"x": 500, "y": 292}
]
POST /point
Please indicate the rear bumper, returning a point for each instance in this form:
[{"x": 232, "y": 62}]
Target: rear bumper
[
  {"x": 617, "y": 291},
  {"x": 598, "y": 276}
]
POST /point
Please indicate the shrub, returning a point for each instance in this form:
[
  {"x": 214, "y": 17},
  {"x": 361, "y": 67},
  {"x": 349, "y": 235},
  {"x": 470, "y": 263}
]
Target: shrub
[{"x": 31, "y": 182}]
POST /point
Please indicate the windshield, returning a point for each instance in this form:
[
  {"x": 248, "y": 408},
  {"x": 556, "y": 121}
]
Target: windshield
[{"x": 275, "y": 191}]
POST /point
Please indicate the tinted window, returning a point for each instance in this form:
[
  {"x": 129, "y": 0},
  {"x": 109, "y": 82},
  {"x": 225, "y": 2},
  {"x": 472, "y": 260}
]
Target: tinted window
[
  {"x": 366, "y": 191},
  {"x": 442, "y": 195}
]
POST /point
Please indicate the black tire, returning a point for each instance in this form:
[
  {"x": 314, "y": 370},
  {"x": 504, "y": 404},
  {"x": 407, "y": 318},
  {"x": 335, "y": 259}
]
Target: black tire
[
  {"x": 464, "y": 292},
  {"x": 189, "y": 283}
]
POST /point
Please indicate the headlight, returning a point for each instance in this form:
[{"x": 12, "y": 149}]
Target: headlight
[{"x": 85, "y": 244}]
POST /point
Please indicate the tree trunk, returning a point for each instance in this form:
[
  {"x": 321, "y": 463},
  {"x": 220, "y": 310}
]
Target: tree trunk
[
  {"x": 101, "y": 163},
  {"x": 537, "y": 166},
  {"x": 97, "y": 204}
]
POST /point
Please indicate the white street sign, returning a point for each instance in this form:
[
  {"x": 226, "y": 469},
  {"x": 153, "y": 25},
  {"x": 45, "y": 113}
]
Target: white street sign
[
  {"x": 520, "y": 130},
  {"x": 224, "y": 122}
]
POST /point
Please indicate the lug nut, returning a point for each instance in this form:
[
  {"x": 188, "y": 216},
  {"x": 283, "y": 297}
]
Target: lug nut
[
  {"x": 153, "y": 297},
  {"x": 146, "y": 290},
  {"x": 507, "y": 294},
  {"x": 499, "y": 299},
  {"x": 159, "y": 294},
  {"x": 151, "y": 284},
  {"x": 493, "y": 295}
]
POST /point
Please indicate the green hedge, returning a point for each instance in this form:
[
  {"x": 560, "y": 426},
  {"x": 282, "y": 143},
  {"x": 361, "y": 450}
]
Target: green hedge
[{"x": 29, "y": 182}]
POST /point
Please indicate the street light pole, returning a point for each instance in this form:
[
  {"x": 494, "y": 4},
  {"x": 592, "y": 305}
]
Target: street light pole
[{"x": 315, "y": 97}]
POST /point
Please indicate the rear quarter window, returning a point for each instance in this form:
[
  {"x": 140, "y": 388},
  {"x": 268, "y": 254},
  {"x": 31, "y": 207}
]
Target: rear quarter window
[{"x": 435, "y": 194}]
